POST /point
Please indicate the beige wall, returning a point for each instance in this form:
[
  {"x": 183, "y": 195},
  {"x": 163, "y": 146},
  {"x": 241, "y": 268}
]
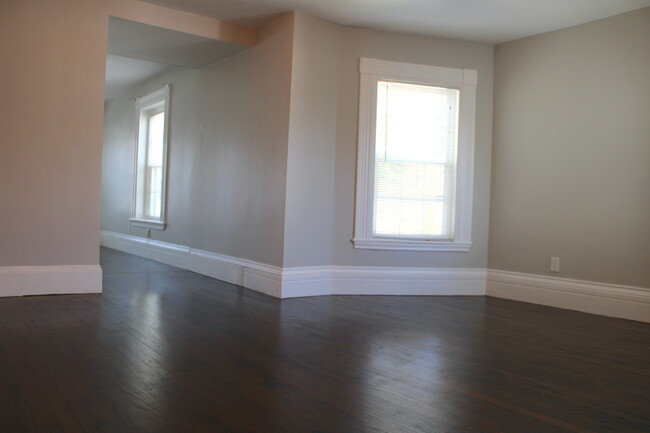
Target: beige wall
[
  {"x": 186, "y": 22},
  {"x": 356, "y": 43},
  {"x": 227, "y": 152},
  {"x": 571, "y": 173},
  {"x": 51, "y": 109},
  {"x": 119, "y": 146},
  {"x": 51, "y": 82}
]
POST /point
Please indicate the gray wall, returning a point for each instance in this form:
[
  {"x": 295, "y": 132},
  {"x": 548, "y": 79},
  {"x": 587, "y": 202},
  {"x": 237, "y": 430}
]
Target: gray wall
[
  {"x": 312, "y": 143},
  {"x": 51, "y": 87},
  {"x": 571, "y": 173},
  {"x": 311, "y": 161},
  {"x": 227, "y": 152},
  {"x": 357, "y": 43}
]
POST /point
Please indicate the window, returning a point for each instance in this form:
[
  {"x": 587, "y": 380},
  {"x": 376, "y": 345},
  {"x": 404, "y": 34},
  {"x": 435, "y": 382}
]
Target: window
[
  {"x": 415, "y": 159},
  {"x": 149, "y": 188}
]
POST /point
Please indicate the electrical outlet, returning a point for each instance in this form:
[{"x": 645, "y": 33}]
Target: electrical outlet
[{"x": 555, "y": 264}]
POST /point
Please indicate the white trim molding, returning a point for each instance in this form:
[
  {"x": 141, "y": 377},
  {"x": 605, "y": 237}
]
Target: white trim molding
[
  {"x": 148, "y": 224},
  {"x": 367, "y": 280},
  {"x": 465, "y": 80},
  {"x": 304, "y": 281},
  {"x": 598, "y": 298},
  {"x": 50, "y": 280},
  {"x": 247, "y": 273},
  {"x": 408, "y": 281},
  {"x": 410, "y": 245},
  {"x": 611, "y": 300}
]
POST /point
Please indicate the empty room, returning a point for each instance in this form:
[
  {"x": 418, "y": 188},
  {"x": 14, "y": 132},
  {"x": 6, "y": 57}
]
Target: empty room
[{"x": 304, "y": 216}]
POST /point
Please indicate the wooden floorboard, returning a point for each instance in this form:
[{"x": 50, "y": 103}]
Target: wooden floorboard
[{"x": 166, "y": 350}]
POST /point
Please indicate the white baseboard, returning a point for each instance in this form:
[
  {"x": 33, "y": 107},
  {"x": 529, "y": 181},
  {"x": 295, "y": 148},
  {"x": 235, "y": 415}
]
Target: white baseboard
[
  {"x": 355, "y": 280},
  {"x": 253, "y": 275},
  {"x": 305, "y": 281},
  {"x": 597, "y": 298},
  {"x": 611, "y": 300},
  {"x": 408, "y": 281},
  {"x": 50, "y": 280}
]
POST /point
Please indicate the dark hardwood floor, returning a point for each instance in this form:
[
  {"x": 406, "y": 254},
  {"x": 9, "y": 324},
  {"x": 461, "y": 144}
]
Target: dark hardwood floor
[{"x": 165, "y": 350}]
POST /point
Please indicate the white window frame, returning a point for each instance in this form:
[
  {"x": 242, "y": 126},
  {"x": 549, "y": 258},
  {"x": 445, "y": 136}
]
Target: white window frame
[
  {"x": 144, "y": 108},
  {"x": 465, "y": 80}
]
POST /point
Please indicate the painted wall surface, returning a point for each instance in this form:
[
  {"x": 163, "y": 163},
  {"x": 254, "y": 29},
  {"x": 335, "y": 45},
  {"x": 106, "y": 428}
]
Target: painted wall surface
[
  {"x": 356, "y": 43},
  {"x": 571, "y": 174},
  {"x": 119, "y": 153},
  {"x": 186, "y": 22},
  {"x": 229, "y": 198},
  {"x": 227, "y": 152},
  {"x": 51, "y": 82},
  {"x": 312, "y": 143}
]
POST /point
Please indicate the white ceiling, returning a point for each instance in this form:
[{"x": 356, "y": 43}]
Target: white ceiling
[
  {"x": 488, "y": 21},
  {"x": 139, "y": 51}
]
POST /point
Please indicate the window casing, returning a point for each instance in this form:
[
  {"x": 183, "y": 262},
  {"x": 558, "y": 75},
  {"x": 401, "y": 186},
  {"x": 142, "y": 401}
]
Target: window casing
[
  {"x": 415, "y": 157},
  {"x": 150, "y": 180}
]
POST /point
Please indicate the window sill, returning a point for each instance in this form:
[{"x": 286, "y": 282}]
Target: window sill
[
  {"x": 149, "y": 224},
  {"x": 410, "y": 245}
]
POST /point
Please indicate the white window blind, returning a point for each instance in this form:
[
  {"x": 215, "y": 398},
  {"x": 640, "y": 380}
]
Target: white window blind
[{"x": 416, "y": 144}]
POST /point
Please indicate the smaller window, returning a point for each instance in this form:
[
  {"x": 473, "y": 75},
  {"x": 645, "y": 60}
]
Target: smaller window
[{"x": 149, "y": 187}]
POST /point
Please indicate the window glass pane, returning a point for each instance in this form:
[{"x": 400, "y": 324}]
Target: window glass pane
[
  {"x": 408, "y": 217},
  {"x": 154, "y": 179},
  {"x": 415, "y": 160},
  {"x": 410, "y": 180},
  {"x": 156, "y": 132},
  {"x": 155, "y": 192},
  {"x": 416, "y": 122}
]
